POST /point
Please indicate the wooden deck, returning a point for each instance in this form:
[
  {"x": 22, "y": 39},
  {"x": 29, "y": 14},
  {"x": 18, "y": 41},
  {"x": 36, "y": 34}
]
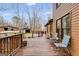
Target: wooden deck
[{"x": 39, "y": 47}]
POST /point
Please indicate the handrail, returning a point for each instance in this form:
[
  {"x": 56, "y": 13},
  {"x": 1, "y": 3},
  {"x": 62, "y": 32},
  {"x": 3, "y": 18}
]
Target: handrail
[
  {"x": 9, "y": 36},
  {"x": 10, "y": 44}
]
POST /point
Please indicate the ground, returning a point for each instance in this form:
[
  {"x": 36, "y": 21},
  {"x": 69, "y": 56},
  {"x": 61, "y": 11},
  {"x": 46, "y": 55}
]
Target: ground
[{"x": 39, "y": 46}]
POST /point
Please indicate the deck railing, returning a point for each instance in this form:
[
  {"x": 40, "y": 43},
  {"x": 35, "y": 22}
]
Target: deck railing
[{"x": 9, "y": 45}]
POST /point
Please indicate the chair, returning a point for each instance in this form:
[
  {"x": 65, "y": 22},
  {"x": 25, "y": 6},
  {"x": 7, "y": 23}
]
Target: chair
[
  {"x": 48, "y": 36},
  {"x": 64, "y": 42},
  {"x": 55, "y": 38}
]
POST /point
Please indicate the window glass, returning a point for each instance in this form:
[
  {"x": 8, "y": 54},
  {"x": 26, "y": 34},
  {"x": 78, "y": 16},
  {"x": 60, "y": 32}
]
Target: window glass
[
  {"x": 66, "y": 25},
  {"x": 6, "y": 29},
  {"x": 58, "y": 29},
  {"x": 51, "y": 26},
  {"x": 58, "y": 24}
]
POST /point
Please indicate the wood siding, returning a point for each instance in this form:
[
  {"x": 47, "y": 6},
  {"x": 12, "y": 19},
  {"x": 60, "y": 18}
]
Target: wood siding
[{"x": 73, "y": 9}]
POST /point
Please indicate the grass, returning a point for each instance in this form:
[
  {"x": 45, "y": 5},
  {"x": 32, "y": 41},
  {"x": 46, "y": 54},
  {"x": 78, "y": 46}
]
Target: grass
[{"x": 28, "y": 35}]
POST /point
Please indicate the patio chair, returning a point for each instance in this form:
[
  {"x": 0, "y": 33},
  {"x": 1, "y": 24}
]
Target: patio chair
[
  {"x": 48, "y": 36},
  {"x": 55, "y": 38},
  {"x": 64, "y": 42}
]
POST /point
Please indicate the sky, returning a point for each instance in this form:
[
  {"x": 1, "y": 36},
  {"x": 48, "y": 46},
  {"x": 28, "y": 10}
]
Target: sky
[{"x": 8, "y": 10}]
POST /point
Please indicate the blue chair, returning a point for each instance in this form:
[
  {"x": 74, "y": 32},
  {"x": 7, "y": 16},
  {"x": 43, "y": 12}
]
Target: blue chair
[
  {"x": 48, "y": 36},
  {"x": 55, "y": 38},
  {"x": 64, "y": 42}
]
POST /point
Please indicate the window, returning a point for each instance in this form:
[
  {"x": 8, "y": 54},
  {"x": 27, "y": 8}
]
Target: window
[
  {"x": 57, "y": 5},
  {"x": 51, "y": 26},
  {"x": 27, "y": 30},
  {"x": 63, "y": 26},
  {"x": 66, "y": 25},
  {"x": 6, "y": 29},
  {"x": 58, "y": 27}
]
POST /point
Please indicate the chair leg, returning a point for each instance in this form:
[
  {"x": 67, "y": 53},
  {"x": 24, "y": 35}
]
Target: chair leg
[
  {"x": 67, "y": 51},
  {"x": 63, "y": 51}
]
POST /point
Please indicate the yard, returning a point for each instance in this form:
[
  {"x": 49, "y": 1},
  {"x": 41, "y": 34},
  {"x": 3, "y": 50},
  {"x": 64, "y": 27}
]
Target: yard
[{"x": 27, "y": 35}]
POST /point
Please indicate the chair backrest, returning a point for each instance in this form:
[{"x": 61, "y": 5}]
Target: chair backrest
[
  {"x": 66, "y": 40},
  {"x": 55, "y": 36}
]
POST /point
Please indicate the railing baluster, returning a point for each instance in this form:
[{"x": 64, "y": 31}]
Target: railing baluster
[
  {"x": 0, "y": 45},
  {"x": 7, "y": 46},
  {"x": 21, "y": 40},
  {"x": 4, "y": 46},
  {"x": 15, "y": 41},
  {"x": 10, "y": 45}
]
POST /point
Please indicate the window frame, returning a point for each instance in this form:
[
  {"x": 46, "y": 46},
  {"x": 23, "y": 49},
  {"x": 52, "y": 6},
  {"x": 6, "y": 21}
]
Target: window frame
[{"x": 57, "y": 5}]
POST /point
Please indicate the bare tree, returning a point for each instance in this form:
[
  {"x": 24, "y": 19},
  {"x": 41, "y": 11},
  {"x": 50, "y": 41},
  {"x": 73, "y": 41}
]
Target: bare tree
[
  {"x": 34, "y": 20},
  {"x": 2, "y": 21}
]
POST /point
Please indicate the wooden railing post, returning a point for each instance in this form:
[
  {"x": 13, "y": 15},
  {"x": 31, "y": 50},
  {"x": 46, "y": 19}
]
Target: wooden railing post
[
  {"x": 4, "y": 46},
  {"x": 0, "y": 45},
  {"x": 21, "y": 40},
  {"x": 10, "y": 45},
  {"x": 7, "y": 46}
]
